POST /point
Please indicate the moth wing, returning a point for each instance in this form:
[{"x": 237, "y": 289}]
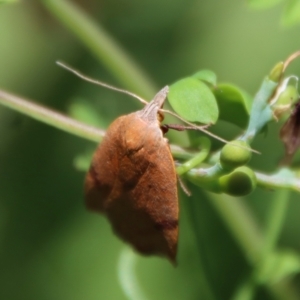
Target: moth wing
[
  {"x": 103, "y": 171},
  {"x": 140, "y": 195}
]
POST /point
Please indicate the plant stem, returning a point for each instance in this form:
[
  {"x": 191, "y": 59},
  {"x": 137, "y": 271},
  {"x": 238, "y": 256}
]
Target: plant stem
[
  {"x": 261, "y": 112},
  {"x": 196, "y": 159},
  {"x": 102, "y": 46},
  {"x": 284, "y": 178},
  {"x": 51, "y": 117}
]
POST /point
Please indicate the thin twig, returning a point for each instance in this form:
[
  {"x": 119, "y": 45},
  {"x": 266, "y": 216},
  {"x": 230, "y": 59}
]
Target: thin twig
[{"x": 51, "y": 117}]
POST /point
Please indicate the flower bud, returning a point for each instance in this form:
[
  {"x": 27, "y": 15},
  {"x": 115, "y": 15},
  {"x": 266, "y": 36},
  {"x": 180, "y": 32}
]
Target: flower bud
[
  {"x": 235, "y": 154},
  {"x": 288, "y": 96},
  {"x": 241, "y": 182},
  {"x": 276, "y": 73},
  {"x": 285, "y": 101}
]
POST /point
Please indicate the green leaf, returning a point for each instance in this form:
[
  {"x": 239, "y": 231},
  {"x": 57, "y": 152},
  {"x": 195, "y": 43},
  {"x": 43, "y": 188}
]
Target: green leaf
[
  {"x": 194, "y": 101},
  {"x": 262, "y": 4},
  {"x": 291, "y": 14},
  {"x": 234, "y": 104},
  {"x": 206, "y": 76}
]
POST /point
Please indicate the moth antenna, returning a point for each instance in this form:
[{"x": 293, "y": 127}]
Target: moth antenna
[
  {"x": 203, "y": 129},
  {"x": 97, "y": 82}
]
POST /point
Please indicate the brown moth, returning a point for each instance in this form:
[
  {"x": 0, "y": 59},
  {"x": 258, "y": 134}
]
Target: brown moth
[{"x": 132, "y": 180}]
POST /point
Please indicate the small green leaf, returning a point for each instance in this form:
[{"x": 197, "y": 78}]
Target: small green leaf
[
  {"x": 234, "y": 104},
  {"x": 206, "y": 76},
  {"x": 262, "y": 4},
  {"x": 291, "y": 14},
  {"x": 193, "y": 100}
]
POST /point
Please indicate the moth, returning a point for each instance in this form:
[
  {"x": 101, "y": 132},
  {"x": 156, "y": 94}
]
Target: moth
[{"x": 132, "y": 180}]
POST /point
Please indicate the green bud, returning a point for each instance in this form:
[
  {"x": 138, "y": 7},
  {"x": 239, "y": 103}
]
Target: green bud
[
  {"x": 288, "y": 96},
  {"x": 276, "y": 73},
  {"x": 235, "y": 154},
  {"x": 285, "y": 101},
  {"x": 241, "y": 182}
]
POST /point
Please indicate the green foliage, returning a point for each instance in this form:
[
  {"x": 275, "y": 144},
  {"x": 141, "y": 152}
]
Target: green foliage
[
  {"x": 234, "y": 104},
  {"x": 207, "y": 76},
  {"x": 194, "y": 101}
]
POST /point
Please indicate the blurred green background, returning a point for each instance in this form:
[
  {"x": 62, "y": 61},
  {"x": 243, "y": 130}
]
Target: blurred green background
[{"x": 50, "y": 246}]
